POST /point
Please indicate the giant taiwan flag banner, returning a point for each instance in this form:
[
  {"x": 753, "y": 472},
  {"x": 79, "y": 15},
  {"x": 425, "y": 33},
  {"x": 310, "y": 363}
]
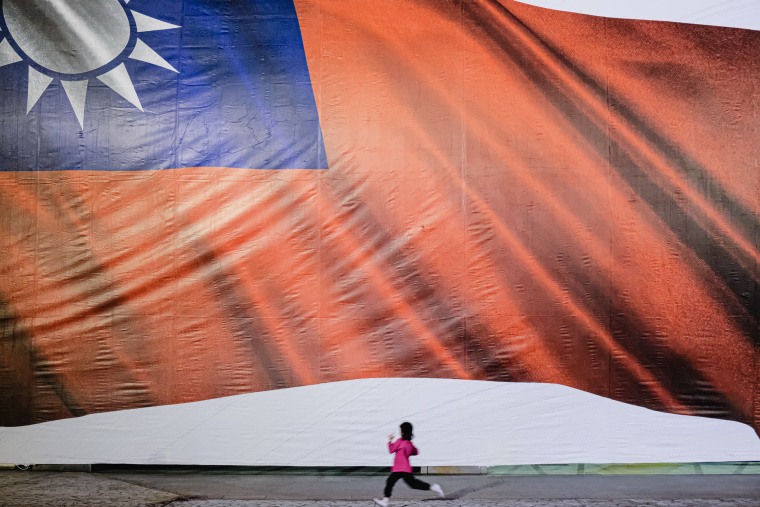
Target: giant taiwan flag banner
[{"x": 206, "y": 199}]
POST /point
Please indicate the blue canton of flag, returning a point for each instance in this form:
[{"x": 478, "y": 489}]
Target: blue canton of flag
[{"x": 120, "y": 85}]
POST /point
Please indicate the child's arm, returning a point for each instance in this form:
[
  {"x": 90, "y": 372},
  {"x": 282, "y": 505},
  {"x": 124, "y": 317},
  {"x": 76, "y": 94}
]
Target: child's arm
[{"x": 414, "y": 451}]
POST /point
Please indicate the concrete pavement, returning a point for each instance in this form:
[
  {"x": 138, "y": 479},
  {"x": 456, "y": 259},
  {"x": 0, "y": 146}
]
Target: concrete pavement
[{"x": 216, "y": 489}]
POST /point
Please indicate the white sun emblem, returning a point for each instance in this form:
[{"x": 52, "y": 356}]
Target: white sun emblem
[{"x": 74, "y": 40}]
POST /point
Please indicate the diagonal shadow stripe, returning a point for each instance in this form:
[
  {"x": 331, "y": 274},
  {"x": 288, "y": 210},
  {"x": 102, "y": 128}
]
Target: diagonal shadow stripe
[
  {"x": 407, "y": 272},
  {"x": 245, "y": 324},
  {"x": 12, "y": 329},
  {"x": 675, "y": 371},
  {"x": 711, "y": 249}
]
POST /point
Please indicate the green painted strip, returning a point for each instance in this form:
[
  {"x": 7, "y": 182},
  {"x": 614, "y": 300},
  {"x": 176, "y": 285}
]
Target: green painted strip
[{"x": 724, "y": 468}]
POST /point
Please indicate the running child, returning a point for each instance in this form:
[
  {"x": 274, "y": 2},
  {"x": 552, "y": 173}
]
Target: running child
[{"x": 403, "y": 447}]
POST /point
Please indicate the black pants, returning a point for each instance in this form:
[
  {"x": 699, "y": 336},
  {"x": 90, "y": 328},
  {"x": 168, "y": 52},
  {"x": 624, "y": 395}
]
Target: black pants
[{"x": 412, "y": 481}]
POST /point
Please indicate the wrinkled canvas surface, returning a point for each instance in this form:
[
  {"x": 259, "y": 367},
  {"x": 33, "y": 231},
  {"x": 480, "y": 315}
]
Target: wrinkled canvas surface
[{"x": 487, "y": 190}]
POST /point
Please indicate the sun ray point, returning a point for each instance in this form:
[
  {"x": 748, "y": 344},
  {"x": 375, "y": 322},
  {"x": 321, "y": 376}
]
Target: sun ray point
[
  {"x": 145, "y": 53},
  {"x": 119, "y": 81},
  {"x": 7, "y": 54},
  {"x": 148, "y": 24},
  {"x": 76, "y": 91},
  {"x": 38, "y": 83}
]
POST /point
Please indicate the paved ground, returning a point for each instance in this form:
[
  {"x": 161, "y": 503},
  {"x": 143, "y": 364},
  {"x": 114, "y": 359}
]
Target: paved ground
[{"x": 52, "y": 489}]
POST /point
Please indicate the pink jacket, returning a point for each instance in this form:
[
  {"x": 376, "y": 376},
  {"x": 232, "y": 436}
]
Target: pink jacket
[{"x": 403, "y": 449}]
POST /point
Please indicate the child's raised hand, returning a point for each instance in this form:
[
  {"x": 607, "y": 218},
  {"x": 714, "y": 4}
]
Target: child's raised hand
[{"x": 391, "y": 437}]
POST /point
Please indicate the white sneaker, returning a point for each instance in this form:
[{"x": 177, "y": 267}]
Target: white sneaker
[
  {"x": 437, "y": 489},
  {"x": 382, "y": 503}
]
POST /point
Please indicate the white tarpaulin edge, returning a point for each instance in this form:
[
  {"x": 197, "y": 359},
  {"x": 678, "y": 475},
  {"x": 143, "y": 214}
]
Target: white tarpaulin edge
[
  {"x": 731, "y": 13},
  {"x": 457, "y": 423}
]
